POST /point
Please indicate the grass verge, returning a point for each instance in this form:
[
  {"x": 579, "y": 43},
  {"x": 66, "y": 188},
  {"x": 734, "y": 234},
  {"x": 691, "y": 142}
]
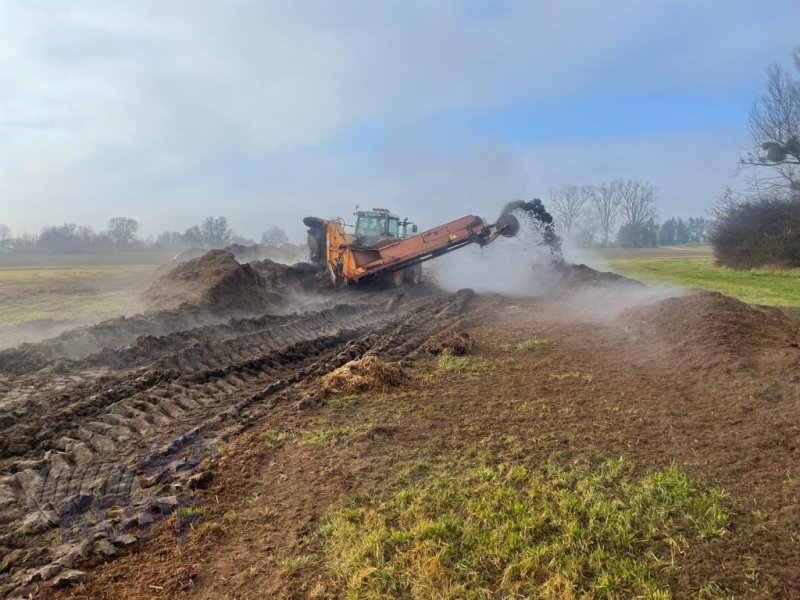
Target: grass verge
[
  {"x": 65, "y": 293},
  {"x": 778, "y": 288},
  {"x": 510, "y": 532}
]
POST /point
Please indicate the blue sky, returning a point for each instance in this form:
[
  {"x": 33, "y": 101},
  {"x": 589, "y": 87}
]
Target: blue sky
[{"x": 269, "y": 111}]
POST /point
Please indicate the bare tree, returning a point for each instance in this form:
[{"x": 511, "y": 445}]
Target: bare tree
[
  {"x": 586, "y": 227},
  {"x": 274, "y": 236},
  {"x": 122, "y": 230},
  {"x": 567, "y": 202},
  {"x": 638, "y": 206},
  {"x": 5, "y": 232},
  {"x": 775, "y": 129},
  {"x": 215, "y": 232},
  {"x": 607, "y": 206}
]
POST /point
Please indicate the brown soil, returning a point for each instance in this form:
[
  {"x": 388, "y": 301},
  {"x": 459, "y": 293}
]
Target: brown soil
[
  {"x": 450, "y": 343},
  {"x": 287, "y": 253},
  {"x": 702, "y": 381},
  {"x": 582, "y": 277},
  {"x": 214, "y": 281}
]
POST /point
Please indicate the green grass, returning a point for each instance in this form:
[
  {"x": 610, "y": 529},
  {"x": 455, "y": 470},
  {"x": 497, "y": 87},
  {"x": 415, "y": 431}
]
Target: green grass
[
  {"x": 65, "y": 293},
  {"x": 508, "y": 532},
  {"x": 779, "y": 288},
  {"x": 464, "y": 365},
  {"x": 330, "y": 435},
  {"x": 273, "y": 437}
]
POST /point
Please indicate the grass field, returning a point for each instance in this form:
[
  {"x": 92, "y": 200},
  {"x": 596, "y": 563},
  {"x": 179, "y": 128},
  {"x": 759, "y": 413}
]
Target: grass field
[
  {"x": 778, "y": 288},
  {"x": 68, "y": 293}
]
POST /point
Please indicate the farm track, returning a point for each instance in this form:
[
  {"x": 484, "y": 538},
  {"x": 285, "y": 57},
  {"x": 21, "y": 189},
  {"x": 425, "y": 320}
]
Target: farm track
[{"x": 94, "y": 444}]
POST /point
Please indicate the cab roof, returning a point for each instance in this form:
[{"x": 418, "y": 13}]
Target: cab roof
[{"x": 377, "y": 212}]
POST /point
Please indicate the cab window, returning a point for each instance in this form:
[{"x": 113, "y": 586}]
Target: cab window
[
  {"x": 394, "y": 228},
  {"x": 370, "y": 226}
]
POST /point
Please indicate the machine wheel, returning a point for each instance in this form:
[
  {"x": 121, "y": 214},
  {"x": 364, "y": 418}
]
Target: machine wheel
[
  {"x": 334, "y": 277},
  {"x": 413, "y": 274},
  {"x": 396, "y": 278}
]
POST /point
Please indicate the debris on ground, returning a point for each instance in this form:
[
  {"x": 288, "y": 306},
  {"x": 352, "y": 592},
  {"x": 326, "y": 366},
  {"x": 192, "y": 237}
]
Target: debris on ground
[
  {"x": 367, "y": 374},
  {"x": 450, "y": 343}
]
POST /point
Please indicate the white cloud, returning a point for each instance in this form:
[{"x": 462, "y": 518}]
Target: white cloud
[{"x": 163, "y": 109}]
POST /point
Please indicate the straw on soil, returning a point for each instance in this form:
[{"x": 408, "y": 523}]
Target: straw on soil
[
  {"x": 365, "y": 374},
  {"x": 450, "y": 343}
]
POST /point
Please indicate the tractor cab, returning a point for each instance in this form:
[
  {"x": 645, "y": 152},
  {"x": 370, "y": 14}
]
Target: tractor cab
[{"x": 379, "y": 227}]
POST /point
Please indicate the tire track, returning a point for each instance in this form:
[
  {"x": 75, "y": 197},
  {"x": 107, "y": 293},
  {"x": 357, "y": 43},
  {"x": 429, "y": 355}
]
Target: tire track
[{"x": 73, "y": 459}]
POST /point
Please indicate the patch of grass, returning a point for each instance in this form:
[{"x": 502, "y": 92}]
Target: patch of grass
[
  {"x": 509, "y": 532},
  {"x": 65, "y": 293},
  {"x": 188, "y": 511},
  {"x": 344, "y": 400},
  {"x": 290, "y": 564},
  {"x": 273, "y": 437},
  {"x": 779, "y": 288},
  {"x": 328, "y": 435},
  {"x": 526, "y": 345},
  {"x": 576, "y": 375},
  {"x": 448, "y": 363}
]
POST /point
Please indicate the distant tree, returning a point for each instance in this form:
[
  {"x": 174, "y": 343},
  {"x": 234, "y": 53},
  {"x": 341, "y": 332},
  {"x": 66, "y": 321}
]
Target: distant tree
[
  {"x": 567, "y": 204},
  {"x": 122, "y": 230},
  {"x": 586, "y": 227},
  {"x": 758, "y": 232},
  {"x": 697, "y": 230},
  {"x": 274, "y": 236},
  {"x": 170, "y": 239},
  {"x": 638, "y": 208},
  {"x": 62, "y": 238},
  {"x": 775, "y": 129},
  {"x": 193, "y": 236},
  {"x": 242, "y": 240},
  {"x": 215, "y": 232},
  {"x": 607, "y": 206},
  {"x": 646, "y": 235},
  {"x": 5, "y": 232},
  {"x": 666, "y": 233}
]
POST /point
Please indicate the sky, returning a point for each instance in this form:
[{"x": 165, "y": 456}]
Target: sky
[{"x": 267, "y": 112}]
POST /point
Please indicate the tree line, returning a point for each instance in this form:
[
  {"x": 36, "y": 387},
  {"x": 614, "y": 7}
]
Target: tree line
[
  {"x": 121, "y": 234},
  {"x": 619, "y": 213},
  {"x": 761, "y": 226}
]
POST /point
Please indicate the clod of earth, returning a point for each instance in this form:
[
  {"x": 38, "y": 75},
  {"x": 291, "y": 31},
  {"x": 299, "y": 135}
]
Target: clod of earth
[{"x": 456, "y": 343}]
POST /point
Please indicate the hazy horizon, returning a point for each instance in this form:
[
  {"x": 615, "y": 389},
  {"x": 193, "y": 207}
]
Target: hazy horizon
[{"x": 267, "y": 112}]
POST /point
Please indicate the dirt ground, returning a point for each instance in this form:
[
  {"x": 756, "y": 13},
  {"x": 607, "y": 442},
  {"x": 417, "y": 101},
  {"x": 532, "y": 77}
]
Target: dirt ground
[{"x": 183, "y": 455}]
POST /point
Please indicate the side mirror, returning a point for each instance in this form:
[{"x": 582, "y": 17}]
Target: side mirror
[{"x": 414, "y": 228}]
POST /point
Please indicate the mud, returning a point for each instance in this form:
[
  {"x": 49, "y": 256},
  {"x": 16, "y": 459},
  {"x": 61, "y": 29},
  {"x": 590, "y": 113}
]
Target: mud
[
  {"x": 215, "y": 282},
  {"x": 582, "y": 277},
  {"x": 109, "y": 428},
  {"x": 710, "y": 330},
  {"x": 112, "y": 429}
]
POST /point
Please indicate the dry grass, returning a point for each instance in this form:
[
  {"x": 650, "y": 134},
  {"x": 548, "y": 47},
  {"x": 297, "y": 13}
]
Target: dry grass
[
  {"x": 365, "y": 374},
  {"x": 509, "y": 532},
  {"x": 450, "y": 343}
]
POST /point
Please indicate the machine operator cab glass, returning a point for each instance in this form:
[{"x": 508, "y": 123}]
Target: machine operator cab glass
[{"x": 377, "y": 226}]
